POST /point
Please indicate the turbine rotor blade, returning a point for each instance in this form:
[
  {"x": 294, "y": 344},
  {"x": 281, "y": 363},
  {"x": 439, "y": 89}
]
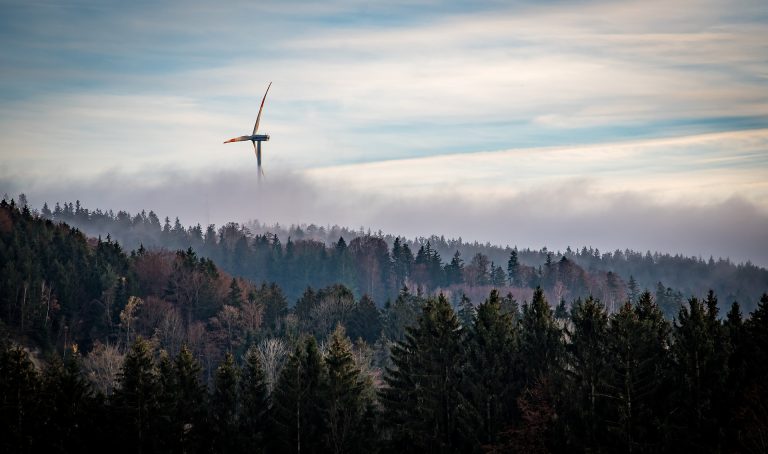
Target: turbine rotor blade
[{"x": 258, "y": 118}]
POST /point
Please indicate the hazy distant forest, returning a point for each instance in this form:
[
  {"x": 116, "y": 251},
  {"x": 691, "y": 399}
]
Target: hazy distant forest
[{"x": 125, "y": 333}]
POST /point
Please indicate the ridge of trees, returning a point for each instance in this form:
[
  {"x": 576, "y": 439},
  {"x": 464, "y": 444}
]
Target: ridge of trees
[
  {"x": 159, "y": 351},
  {"x": 379, "y": 264}
]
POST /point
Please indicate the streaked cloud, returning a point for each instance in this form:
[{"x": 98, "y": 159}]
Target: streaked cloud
[{"x": 578, "y": 107}]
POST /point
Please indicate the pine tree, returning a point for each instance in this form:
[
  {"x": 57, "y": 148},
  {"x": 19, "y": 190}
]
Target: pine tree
[
  {"x": 348, "y": 407},
  {"x": 365, "y": 321},
  {"x": 513, "y": 269},
  {"x": 541, "y": 343},
  {"x": 492, "y": 344},
  {"x": 189, "y": 403},
  {"x": 424, "y": 407},
  {"x": 297, "y": 412},
  {"x": 466, "y": 312},
  {"x": 698, "y": 371},
  {"x": 19, "y": 396},
  {"x": 70, "y": 407},
  {"x": 224, "y": 402},
  {"x": 254, "y": 403},
  {"x": 633, "y": 290},
  {"x": 586, "y": 374},
  {"x": 638, "y": 346},
  {"x": 137, "y": 400}
]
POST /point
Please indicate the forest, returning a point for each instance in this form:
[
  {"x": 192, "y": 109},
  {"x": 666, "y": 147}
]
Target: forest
[{"x": 160, "y": 338}]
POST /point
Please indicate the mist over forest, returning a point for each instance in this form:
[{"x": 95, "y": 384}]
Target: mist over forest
[{"x": 239, "y": 338}]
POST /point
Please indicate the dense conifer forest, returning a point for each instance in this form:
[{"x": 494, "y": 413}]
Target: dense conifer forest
[{"x": 158, "y": 338}]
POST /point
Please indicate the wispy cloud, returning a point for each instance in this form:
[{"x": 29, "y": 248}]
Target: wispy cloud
[{"x": 395, "y": 111}]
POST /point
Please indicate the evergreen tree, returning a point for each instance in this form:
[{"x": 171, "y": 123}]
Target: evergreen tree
[
  {"x": 466, "y": 312},
  {"x": 254, "y": 402},
  {"x": 513, "y": 269},
  {"x": 19, "y": 399},
  {"x": 633, "y": 290},
  {"x": 70, "y": 407},
  {"x": 297, "y": 412},
  {"x": 365, "y": 321},
  {"x": 347, "y": 405},
  {"x": 424, "y": 407},
  {"x": 586, "y": 375},
  {"x": 137, "y": 400},
  {"x": 638, "y": 345},
  {"x": 224, "y": 402},
  {"x": 492, "y": 373},
  {"x": 541, "y": 343},
  {"x": 698, "y": 371}
]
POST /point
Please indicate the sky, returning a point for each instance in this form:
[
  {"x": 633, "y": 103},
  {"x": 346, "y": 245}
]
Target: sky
[{"x": 633, "y": 124}]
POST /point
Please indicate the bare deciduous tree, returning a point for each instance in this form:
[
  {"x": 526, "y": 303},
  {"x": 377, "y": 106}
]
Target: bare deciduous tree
[{"x": 102, "y": 365}]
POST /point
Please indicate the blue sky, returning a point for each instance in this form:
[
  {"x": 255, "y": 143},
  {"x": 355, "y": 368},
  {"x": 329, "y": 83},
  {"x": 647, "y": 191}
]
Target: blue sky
[{"x": 387, "y": 106}]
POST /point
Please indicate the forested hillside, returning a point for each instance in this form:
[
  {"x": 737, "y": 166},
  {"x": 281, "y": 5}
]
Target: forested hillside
[
  {"x": 160, "y": 350},
  {"x": 379, "y": 265}
]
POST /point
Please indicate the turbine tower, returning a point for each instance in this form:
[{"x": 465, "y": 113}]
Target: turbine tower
[{"x": 255, "y": 138}]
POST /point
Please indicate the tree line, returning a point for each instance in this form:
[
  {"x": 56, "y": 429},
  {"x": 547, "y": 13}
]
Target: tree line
[
  {"x": 379, "y": 264},
  {"x": 164, "y": 349}
]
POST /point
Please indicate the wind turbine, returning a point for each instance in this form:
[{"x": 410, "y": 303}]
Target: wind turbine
[{"x": 256, "y": 139}]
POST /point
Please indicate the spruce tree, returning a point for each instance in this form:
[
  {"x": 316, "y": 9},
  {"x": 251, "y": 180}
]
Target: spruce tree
[
  {"x": 137, "y": 400},
  {"x": 492, "y": 379},
  {"x": 698, "y": 371},
  {"x": 224, "y": 402},
  {"x": 513, "y": 269},
  {"x": 297, "y": 408},
  {"x": 254, "y": 403},
  {"x": 347, "y": 405},
  {"x": 424, "y": 407},
  {"x": 19, "y": 395},
  {"x": 586, "y": 375},
  {"x": 541, "y": 342},
  {"x": 638, "y": 345},
  {"x": 189, "y": 397}
]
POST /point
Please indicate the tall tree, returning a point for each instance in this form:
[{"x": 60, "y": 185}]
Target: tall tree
[
  {"x": 699, "y": 371},
  {"x": 586, "y": 375},
  {"x": 297, "y": 411},
  {"x": 424, "y": 407},
  {"x": 224, "y": 406},
  {"x": 348, "y": 407},
  {"x": 492, "y": 344},
  {"x": 254, "y": 403},
  {"x": 137, "y": 400},
  {"x": 638, "y": 346}
]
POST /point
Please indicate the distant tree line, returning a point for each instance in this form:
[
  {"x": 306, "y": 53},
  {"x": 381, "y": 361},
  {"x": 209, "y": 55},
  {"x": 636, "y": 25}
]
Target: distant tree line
[{"x": 379, "y": 265}]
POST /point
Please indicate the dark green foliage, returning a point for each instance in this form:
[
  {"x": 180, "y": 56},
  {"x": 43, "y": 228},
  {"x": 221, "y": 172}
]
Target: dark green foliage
[
  {"x": 224, "y": 411},
  {"x": 586, "y": 375},
  {"x": 541, "y": 343},
  {"x": 700, "y": 368},
  {"x": 637, "y": 353},
  {"x": 424, "y": 407},
  {"x": 492, "y": 372},
  {"x": 513, "y": 269},
  {"x": 72, "y": 411},
  {"x": 298, "y": 423},
  {"x": 254, "y": 404},
  {"x": 400, "y": 314},
  {"x": 136, "y": 401},
  {"x": 347, "y": 400},
  {"x": 365, "y": 321},
  {"x": 19, "y": 400}
]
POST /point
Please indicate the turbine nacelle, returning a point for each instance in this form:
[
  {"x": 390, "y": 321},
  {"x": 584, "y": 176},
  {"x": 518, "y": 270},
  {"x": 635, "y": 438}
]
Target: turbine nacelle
[{"x": 253, "y": 138}]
